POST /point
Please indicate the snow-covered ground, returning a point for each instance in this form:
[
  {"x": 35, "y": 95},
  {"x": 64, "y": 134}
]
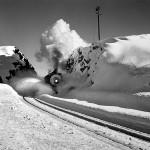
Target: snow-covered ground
[
  {"x": 23, "y": 127},
  {"x": 146, "y": 94},
  {"x": 113, "y": 109},
  {"x": 101, "y": 131}
]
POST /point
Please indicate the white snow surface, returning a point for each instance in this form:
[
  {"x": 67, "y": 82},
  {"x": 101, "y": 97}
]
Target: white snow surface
[
  {"x": 7, "y": 50},
  {"x": 113, "y": 109},
  {"x": 12, "y": 63},
  {"x": 24, "y": 127},
  {"x": 146, "y": 94}
]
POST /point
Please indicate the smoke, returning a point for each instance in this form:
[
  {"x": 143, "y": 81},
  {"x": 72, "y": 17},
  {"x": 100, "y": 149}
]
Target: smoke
[{"x": 58, "y": 42}]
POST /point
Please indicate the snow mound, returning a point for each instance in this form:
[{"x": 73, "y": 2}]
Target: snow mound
[
  {"x": 24, "y": 127},
  {"x": 7, "y": 50},
  {"x": 8, "y": 91},
  {"x": 112, "y": 109},
  {"x": 12, "y": 63}
]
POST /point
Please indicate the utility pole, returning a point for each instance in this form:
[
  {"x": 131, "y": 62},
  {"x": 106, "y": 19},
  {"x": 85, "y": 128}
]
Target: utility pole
[{"x": 98, "y": 17}]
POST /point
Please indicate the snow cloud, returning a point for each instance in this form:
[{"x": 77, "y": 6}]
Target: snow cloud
[
  {"x": 132, "y": 50},
  {"x": 58, "y": 42},
  {"x": 30, "y": 86},
  {"x": 123, "y": 67}
]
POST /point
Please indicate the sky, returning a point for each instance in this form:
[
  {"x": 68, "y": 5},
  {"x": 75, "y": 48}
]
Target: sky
[{"x": 23, "y": 21}]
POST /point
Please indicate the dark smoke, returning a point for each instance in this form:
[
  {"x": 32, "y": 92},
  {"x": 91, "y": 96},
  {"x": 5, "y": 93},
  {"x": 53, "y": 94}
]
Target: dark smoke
[{"x": 56, "y": 57}]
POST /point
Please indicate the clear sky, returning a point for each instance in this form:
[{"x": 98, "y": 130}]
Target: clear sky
[{"x": 23, "y": 21}]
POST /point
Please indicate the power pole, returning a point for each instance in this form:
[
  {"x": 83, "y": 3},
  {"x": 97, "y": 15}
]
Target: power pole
[{"x": 98, "y": 16}]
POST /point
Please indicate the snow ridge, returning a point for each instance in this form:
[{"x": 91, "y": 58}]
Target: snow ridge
[
  {"x": 7, "y": 50},
  {"x": 112, "y": 109}
]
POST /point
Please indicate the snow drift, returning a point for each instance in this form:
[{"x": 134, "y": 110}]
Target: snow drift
[
  {"x": 14, "y": 64},
  {"x": 16, "y": 71}
]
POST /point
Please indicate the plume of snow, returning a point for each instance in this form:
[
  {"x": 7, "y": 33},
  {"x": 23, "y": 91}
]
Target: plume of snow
[
  {"x": 58, "y": 42},
  {"x": 30, "y": 86},
  {"x": 133, "y": 51}
]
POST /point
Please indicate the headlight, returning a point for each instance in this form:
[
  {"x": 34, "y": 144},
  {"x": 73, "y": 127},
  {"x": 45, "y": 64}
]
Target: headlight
[{"x": 53, "y": 78}]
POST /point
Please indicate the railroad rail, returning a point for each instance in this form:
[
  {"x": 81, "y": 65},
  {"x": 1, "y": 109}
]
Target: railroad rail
[{"x": 139, "y": 135}]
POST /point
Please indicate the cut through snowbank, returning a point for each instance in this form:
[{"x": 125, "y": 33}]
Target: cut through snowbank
[
  {"x": 113, "y": 109},
  {"x": 24, "y": 127}
]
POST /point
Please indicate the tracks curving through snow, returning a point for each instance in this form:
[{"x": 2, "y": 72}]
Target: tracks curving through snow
[{"x": 132, "y": 134}]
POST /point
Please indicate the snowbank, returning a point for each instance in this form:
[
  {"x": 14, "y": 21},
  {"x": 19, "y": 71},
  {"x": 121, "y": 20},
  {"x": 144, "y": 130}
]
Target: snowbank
[
  {"x": 24, "y": 127},
  {"x": 112, "y": 109}
]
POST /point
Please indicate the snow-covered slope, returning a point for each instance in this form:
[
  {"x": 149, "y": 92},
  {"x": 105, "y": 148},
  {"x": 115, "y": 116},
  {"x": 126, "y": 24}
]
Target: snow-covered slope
[
  {"x": 13, "y": 63},
  {"x": 16, "y": 71},
  {"x": 23, "y": 127}
]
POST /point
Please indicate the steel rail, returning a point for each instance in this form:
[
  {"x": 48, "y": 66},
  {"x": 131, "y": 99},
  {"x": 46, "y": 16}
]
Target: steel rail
[{"x": 115, "y": 127}]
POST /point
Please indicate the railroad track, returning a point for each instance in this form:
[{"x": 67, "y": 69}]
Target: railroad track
[{"x": 136, "y": 134}]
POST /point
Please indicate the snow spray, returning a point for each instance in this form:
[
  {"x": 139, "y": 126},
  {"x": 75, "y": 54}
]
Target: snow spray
[{"x": 30, "y": 86}]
